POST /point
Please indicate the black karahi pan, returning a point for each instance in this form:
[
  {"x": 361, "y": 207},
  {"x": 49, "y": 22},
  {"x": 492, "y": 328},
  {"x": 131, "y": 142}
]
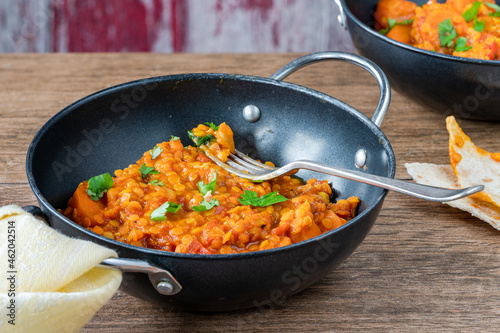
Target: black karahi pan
[
  {"x": 271, "y": 119},
  {"x": 463, "y": 87}
]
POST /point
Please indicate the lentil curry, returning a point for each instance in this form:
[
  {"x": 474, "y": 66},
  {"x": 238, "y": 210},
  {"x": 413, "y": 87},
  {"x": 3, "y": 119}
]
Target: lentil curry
[
  {"x": 176, "y": 199},
  {"x": 463, "y": 28}
]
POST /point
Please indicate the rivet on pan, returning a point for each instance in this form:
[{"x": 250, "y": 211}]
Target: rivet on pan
[
  {"x": 165, "y": 287},
  {"x": 251, "y": 113},
  {"x": 360, "y": 158}
]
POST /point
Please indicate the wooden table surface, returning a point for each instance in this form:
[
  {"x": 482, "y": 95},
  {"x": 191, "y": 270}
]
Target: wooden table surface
[{"x": 424, "y": 266}]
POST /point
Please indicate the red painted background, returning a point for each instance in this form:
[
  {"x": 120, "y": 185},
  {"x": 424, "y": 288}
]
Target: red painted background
[{"x": 170, "y": 26}]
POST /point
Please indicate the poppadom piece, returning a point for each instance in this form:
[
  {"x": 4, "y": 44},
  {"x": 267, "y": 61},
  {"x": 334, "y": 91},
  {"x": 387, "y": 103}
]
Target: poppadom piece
[
  {"x": 473, "y": 165},
  {"x": 443, "y": 176}
]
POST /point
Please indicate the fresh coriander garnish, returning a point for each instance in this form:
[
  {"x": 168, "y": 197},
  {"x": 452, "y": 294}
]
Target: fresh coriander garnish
[
  {"x": 99, "y": 185},
  {"x": 206, "y": 205},
  {"x": 461, "y": 45},
  {"x": 159, "y": 214},
  {"x": 447, "y": 33},
  {"x": 471, "y": 14},
  {"x": 155, "y": 152},
  {"x": 157, "y": 182},
  {"x": 205, "y": 188},
  {"x": 392, "y": 23},
  {"x": 212, "y": 126},
  {"x": 174, "y": 138},
  {"x": 479, "y": 25},
  {"x": 252, "y": 198},
  {"x": 495, "y": 7},
  {"x": 200, "y": 140},
  {"x": 145, "y": 170}
]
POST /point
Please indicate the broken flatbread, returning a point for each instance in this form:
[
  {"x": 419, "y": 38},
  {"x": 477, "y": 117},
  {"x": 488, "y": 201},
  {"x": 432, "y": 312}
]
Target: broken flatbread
[
  {"x": 473, "y": 165},
  {"x": 443, "y": 176}
]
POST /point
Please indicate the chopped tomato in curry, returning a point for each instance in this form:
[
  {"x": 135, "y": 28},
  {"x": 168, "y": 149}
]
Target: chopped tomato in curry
[{"x": 176, "y": 199}]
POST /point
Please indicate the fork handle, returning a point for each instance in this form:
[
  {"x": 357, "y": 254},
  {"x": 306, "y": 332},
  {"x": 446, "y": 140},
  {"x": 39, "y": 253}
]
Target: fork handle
[{"x": 426, "y": 192}]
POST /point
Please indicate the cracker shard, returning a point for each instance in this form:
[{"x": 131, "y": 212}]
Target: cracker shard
[
  {"x": 443, "y": 176},
  {"x": 473, "y": 165}
]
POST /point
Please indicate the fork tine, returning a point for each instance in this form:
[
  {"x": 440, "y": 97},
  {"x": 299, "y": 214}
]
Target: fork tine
[
  {"x": 243, "y": 162},
  {"x": 243, "y": 166},
  {"x": 238, "y": 172},
  {"x": 251, "y": 161}
]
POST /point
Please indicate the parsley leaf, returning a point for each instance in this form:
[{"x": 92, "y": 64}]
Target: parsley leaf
[
  {"x": 479, "y": 25},
  {"x": 392, "y": 23},
  {"x": 494, "y": 7},
  {"x": 99, "y": 185},
  {"x": 157, "y": 182},
  {"x": 447, "y": 33},
  {"x": 145, "y": 170},
  {"x": 205, "y": 188},
  {"x": 206, "y": 205},
  {"x": 471, "y": 13},
  {"x": 155, "y": 152},
  {"x": 252, "y": 198},
  {"x": 200, "y": 140},
  {"x": 159, "y": 214},
  {"x": 174, "y": 138},
  {"x": 461, "y": 45},
  {"x": 212, "y": 126}
]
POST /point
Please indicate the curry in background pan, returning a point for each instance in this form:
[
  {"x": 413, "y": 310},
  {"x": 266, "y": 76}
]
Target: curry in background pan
[{"x": 463, "y": 28}]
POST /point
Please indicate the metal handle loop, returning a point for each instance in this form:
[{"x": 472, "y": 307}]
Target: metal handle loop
[
  {"x": 371, "y": 67},
  {"x": 162, "y": 280},
  {"x": 341, "y": 17}
]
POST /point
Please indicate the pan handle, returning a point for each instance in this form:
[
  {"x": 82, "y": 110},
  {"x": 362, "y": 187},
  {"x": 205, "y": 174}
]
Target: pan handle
[
  {"x": 371, "y": 67},
  {"x": 161, "y": 279}
]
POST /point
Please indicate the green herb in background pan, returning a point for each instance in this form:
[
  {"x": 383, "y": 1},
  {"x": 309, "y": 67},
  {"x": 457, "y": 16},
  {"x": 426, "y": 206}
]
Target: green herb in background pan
[
  {"x": 99, "y": 185},
  {"x": 494, "y": 7},
  {"x": 471, "y": 14},
  {"x": 447, "y": 33},
  {"x": 392, "y": 23},
  {"x": 461, "y": 45}
]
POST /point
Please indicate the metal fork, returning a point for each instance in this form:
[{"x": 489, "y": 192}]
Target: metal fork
[{"x": 246, "y": 167}]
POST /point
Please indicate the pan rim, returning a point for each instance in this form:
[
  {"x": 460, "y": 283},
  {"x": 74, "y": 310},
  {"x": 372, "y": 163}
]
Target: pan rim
[{"x": 118, "y": 246}]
